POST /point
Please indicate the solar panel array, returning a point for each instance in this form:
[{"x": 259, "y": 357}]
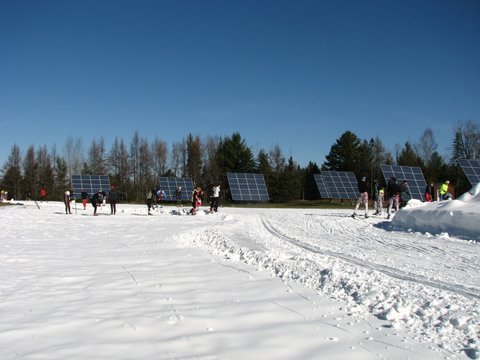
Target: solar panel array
[
  {"x": 170, "y": 184},
  {"x": 413, "y": 175},
  {"x": 247, "y": 187},
  {"x": 471, "y": 168},
  {"x": 89, "y": 183},
  {"x": 337, "y": 184}
]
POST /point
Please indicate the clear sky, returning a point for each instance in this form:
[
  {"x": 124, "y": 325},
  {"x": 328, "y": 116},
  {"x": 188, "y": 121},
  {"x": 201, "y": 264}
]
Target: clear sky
[{"x": 288, "y": 72}]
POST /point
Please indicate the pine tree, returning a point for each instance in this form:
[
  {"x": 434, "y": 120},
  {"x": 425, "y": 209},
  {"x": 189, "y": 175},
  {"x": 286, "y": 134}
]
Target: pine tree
[
  {"x": 12, "y": 174},
  {"x": 344, "y": 154},
  {"x": 408, "y": 156},
  {"x": 233, "y": 155},
  {"x": 310, "y": 185}
]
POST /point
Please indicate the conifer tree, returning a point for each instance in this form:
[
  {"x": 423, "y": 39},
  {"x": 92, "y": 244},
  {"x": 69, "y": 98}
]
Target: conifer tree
[{"x": 310, "y": 185}]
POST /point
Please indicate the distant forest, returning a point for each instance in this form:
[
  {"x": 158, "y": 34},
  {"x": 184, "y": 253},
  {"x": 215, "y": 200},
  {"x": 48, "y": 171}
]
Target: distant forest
[{"x": 136, "y": 166}]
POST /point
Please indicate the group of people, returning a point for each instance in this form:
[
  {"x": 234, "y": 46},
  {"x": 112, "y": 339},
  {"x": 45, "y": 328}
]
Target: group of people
[
  {"x": 394, "y": 193},
  {"x": 156, "y": 196},
  {"x": 197, "y": 195},
  {"x": 97, "y": 199}
]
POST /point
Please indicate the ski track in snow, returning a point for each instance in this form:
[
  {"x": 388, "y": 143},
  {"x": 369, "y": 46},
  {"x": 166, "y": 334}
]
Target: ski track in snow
[{"x": 407, "y": 278}]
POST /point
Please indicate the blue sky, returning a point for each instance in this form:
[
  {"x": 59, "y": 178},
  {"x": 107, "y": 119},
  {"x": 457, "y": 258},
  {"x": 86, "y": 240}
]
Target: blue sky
[{"x": 291, "y": 73}]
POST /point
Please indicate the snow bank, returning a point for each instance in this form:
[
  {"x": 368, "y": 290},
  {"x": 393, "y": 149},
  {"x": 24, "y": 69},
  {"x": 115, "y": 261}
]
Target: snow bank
[{"x": 460, "y": 217}]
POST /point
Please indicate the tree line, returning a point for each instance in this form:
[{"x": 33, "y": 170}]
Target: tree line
[{"x": 137, "y": 166}]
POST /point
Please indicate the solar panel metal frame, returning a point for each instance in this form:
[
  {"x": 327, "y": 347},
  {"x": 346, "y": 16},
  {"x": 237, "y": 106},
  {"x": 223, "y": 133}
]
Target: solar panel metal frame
[
  {"x": 169, "y": 186},
  {"x": 337, "y": 184},
  {"x": 414, "y": 176},
  {"x": 247, "y": 187},
  {"x": 89, "y": 183},
  {"x": 471, "y": 169}
]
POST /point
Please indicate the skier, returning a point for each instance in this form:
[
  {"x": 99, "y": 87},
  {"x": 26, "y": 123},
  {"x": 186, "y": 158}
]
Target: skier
[
  {"x": 215, "y": 198},
  {"x": 393, "y": 192},
  {"x": 150, "y": 200},
  {"x": 378, "y": 204},
  {"x": 363, "y": 198},
  {"x": 66, "y": 200}
]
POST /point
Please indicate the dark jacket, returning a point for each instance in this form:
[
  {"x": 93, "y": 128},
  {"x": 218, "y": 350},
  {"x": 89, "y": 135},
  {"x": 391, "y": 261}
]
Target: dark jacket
[
  {"x": 112, "y": 195},
  {"x": 393, "y": 188},
  {"x": 362, "y": 187}
]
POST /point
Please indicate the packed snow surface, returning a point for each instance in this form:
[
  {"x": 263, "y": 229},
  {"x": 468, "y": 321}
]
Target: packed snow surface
[{"x": 243, "y": 283}]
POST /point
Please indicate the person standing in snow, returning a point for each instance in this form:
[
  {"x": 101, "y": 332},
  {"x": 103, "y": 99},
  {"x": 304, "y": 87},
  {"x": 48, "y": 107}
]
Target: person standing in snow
[
  {"x": 363, "y": 198},
  {"x": 66, "y": 200},
  {"x": 151, "y": 196},
  {"x": 112, "y": 199},
  {"x": 160, "y": 196},
  {"x": 393, "y": 193},
  {"x": 215, "y": 198},
  {"x": 379, "y": 193},
  {"x": 404, "y": 189},
  {"x": 196, "y": 200},
  {"x": 430, "y": 192},
  {"x": 178, "y": 195}
]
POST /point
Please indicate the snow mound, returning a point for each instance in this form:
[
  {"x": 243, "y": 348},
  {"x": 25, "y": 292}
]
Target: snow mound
[{"x": 453, "y": 217}]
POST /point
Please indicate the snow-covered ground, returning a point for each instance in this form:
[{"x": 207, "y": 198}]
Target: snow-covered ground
[{"x": 240, "y": 284}]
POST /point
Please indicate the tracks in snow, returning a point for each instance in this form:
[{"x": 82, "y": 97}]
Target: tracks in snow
[{"x": 365, "y": 264}]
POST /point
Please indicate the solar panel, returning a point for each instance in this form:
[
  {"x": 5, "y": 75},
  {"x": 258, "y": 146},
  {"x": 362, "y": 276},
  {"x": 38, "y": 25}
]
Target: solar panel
[
  {"x": 90, "y": 184},
  {"x": 414, "y": 176},
  {"x": 471, "y": 168},
  {"x": 337, "y": 184},
  {"x": 169, "y": 186},
  {"x": 247, "y": 187}
]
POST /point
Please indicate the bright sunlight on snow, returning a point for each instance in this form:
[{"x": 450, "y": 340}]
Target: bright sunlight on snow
[{"x": 241, "y": 283}]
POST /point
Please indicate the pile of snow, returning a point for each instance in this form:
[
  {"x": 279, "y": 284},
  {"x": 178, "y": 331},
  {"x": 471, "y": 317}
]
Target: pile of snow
[
  {"x": 240, "y": 283},
  {"x": 453, "y": 217}
]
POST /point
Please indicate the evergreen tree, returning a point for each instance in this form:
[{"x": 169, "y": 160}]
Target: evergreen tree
[
  {"x": 45, "y": 174},
  {"x": 379, "y": 157},
  {"x": 12, "y": 174},
  {"x": 310, "y": 185},
  {"x": 344, "y": 154},
  {"x": 30, "y": 172},
  {"x": 275, "y": 180},
  {"x": 145, "y": 168},
  {"x": 264, "y": 167},
  {"x": 211, "y": 171},
  {"x": 61, "y": 170},
  {"x": 233, "y": 155},
  {"x": 290, "y": 185},
  {"x": 458, "y": 148},
  {"x": 408, "y": 156},
  {"x": 436, "y": 169}
]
